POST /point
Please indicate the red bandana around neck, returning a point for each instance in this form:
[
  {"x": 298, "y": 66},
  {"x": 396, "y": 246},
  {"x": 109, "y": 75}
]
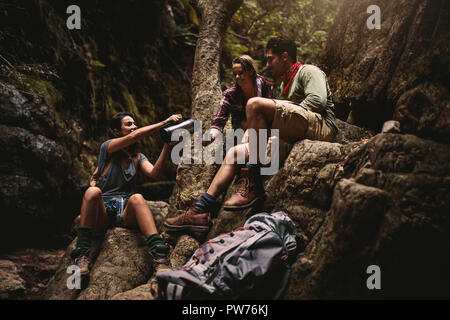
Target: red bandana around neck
[{"x": 289, "y": 75}]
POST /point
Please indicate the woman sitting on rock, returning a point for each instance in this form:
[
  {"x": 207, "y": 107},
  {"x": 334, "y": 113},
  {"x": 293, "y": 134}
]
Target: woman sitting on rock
[{"x": 111, "y": 199}]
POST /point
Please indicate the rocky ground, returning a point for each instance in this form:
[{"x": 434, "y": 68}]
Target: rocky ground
[
  {"x": 25, "y": 274},
  {"x": 363, "y": 200}
]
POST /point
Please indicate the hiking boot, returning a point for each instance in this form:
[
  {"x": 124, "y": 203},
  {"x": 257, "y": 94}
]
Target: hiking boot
[
  {"x": 83, "y": 263},
  {"x": 247, "y": 194},
  {"x": 192, "y": 220},
  {"x": 161, "y": 261}
]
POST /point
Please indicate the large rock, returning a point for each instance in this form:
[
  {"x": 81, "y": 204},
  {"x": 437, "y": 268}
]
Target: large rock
[
  {"x": 159, "y": 210},
  {"x": 350, "y": 133},
  {"x": 333, "y": 264},
  {"x": 34, "y": 266},
  {"x": 392, "y": 213},
  {"x": 156, "y": 191},
  {"x": 185, "y": 247},
  {"x": 40, "y": 177},
  {"x": 57, "y": 288},
  {"x": 304, "y": 186},
  {"x": 124, "y": 262},
  {"x": 143, "y": 292},
  {"x": 121, "y": 262},
  {"x": 12, "y": 286},
  {"x": 399, "y": 71},
  {"x": 416, "y": 174}
]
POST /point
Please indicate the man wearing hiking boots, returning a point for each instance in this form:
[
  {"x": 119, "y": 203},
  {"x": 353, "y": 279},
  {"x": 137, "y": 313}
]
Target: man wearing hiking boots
[{"x": 305, "y": 111}]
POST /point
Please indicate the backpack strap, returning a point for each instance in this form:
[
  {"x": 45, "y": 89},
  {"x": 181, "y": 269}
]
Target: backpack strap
[
  {"x": 136, "y": 161},
  {"x": 95, "y": 182},
  {"x": 174, "y": 291}
]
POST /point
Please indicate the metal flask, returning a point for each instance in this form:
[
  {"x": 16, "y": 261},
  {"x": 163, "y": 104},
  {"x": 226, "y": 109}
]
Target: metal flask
[{"x": 168, "y": 129}]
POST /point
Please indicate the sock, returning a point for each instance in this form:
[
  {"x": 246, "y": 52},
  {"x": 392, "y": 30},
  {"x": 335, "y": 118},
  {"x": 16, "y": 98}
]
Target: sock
[
  {"x": 84, "y": 240},
  {"x": 153, "y": 241},
  {"x": 98, "y": 236},
  {"x": 205, "y": 203}
]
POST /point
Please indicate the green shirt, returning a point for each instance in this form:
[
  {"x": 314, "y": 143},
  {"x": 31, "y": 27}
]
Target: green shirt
[{"x": 310, "y": 90}]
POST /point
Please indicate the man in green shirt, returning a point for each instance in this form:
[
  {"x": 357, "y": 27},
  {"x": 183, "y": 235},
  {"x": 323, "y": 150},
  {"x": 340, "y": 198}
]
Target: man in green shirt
[{"x": 306, "y": 112}]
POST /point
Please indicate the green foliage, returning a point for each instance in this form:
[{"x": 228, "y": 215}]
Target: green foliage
[
  {"x": 182, "y": 18},
  {"x": 305, "y": 21}
]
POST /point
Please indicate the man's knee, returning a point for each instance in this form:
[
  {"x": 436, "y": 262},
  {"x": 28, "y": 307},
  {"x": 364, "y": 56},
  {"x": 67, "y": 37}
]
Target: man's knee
[{"x": 92, "y": 193}]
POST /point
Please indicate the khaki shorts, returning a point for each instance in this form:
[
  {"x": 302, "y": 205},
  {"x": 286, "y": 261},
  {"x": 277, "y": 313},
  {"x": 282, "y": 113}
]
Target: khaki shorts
[{"x": 296, "y": 123}]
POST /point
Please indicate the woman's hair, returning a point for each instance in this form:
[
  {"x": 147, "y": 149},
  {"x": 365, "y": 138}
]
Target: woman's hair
[
  {"x": 248, "y": 64},
  {"x": 116, "y": 123}
]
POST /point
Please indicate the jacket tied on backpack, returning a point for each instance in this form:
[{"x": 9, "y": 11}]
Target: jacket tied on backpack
[{"x": 248, "y": 263}]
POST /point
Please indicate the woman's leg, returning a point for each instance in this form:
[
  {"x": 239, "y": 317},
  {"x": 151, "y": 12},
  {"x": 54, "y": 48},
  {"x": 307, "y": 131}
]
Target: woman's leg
[
  {"x": 93, "y": 219},
  {"x": 137, "y": 213},
  {"x": 93, "y": 212}
]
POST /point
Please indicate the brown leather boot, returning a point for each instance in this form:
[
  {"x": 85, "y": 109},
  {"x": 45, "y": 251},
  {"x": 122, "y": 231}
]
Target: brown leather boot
[
  {"x": 248, "y": 192},
  {"x": 192, "y": 220}
]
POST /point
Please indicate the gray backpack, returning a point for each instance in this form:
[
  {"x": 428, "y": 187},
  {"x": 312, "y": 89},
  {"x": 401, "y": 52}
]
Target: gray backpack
[{"x": 249, "y": 263}]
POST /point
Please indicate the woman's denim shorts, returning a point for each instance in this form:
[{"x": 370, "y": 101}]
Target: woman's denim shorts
[{"x": 114, "y": 207}]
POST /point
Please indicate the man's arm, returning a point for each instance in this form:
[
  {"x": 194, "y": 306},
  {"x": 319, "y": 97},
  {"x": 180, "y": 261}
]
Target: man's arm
[{"x": 314, "y": 85}]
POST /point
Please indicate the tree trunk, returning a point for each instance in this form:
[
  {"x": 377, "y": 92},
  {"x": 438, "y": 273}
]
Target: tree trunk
[{"x": 194, "y": 179}]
